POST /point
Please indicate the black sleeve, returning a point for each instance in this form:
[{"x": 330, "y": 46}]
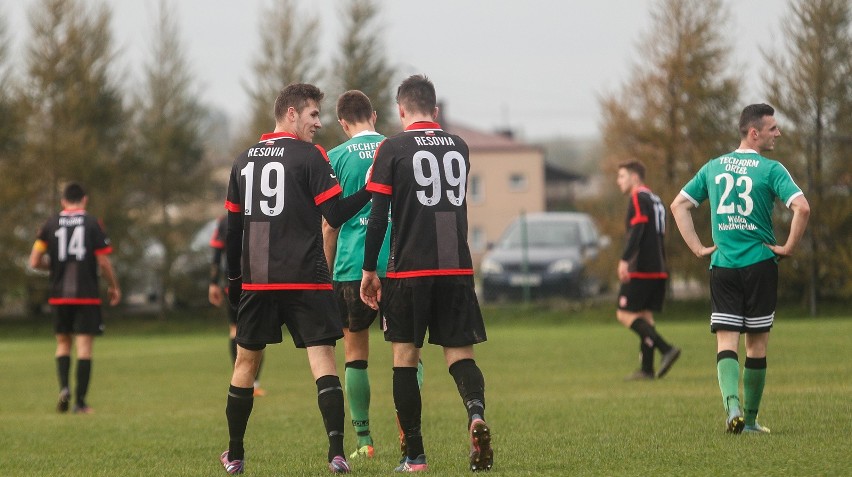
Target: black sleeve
[
  {"x": 215, "y": 265},
  {"x": 337, "y": 211},
  {"x": 235, "y": 244},
  {"x": 377, "y": 226}
]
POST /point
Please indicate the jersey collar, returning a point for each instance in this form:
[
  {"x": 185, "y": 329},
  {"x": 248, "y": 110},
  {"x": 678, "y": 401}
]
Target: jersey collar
[
  {"x": 423, "y": 125},
  {"x": 72, "y": 211},
  {"x": 746, "y": 151},
  {"x": 277, "y": 135},
  {"x": 365, "y": 133}
]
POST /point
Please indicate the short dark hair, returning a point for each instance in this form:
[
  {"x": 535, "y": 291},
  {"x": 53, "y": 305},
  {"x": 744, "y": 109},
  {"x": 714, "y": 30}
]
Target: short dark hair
[
  {"x": 752, "y": 117},
  {"x": 354, "y": 106},
  {"x": 634, "y": 166},
  {"x": 417, "y": 94},
  {"x": 296, "y": 95},
  {"x": 73, "y": 193}
]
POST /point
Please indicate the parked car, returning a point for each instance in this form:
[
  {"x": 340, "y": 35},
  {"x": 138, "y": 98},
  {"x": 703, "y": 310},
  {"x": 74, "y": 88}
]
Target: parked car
[{"x": 547, "y": 253}]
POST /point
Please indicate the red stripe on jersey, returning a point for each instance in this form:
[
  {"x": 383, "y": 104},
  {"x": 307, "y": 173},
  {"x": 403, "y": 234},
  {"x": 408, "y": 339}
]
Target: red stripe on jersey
[
  {"x": 74, "y": 301},
  {"x": 322, "y": 150},
  {"x": 103, "y": 251},
  {"x": 216, "y": 243},
  {"x": 649, "y": 275},
  {"x": 286, "y": 286},
  {"x": 328, "y": 194},
  {"x": 380, "y": 188},
  {"x": 232, "y": 207},
  {"x": 276, "y": 135},
  {"x": 431, "y": 273},
  {"x": 638, "y": 218},
  {"x": 423, "y": 125}
]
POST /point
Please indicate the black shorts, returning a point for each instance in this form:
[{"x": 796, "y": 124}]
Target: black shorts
[
  {"x": 642, "y": 294},
  {"x": 446, "y": 306},
  {"x": 355, "y": 315},
  {"x": 310, "y": 316},
  {"x": 232, "y": 311},
  {"x": 744, "y": 299},
  {"x": 78, "y": 319}
]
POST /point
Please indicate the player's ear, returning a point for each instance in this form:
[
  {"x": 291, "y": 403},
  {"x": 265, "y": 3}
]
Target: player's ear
[{"x": 435, "y": 114}]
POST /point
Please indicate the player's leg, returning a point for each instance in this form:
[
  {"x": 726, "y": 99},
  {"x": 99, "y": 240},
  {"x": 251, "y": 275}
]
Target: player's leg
[
  {"x": 330, "y": 401},
  {"x": 727, "y": 321},
  {"x": 762, "y": 282},
  {"x": 634, "y": 321},
  {"x": 357, "y": 345},
  {"x": 84, "y": 344},
  {"x": 240, "y": 404},
  {"x": 63, "y": 370},
  {"x": 409, "y": 405}
]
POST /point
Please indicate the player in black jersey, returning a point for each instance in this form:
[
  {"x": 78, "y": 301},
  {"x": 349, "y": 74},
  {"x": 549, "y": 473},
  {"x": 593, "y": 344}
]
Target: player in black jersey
[
  {"x": 421, "y": 174},
  {"x": 216, "y": 295},
  {"x": 77, "y": 247},
  {"x": 279, "y": 191},
  {"x": 642, "y": 270}
]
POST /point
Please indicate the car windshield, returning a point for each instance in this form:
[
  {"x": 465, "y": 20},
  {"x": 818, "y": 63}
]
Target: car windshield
[{"x": 548, "y": 234}]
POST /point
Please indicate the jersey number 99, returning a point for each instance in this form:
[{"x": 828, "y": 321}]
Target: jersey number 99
[{"x": 428, "y": 174}]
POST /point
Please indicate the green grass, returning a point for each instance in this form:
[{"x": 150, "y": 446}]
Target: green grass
[{"x": 555, "y": 397}]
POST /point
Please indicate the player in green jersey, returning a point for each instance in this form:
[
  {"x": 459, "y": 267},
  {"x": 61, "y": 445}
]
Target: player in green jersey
[
  {"x": 344, "y": 249},
  {"x": 741, "y": 188}
]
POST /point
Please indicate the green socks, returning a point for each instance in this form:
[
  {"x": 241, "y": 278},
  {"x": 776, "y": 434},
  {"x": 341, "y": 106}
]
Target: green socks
[
  {"x": 754, "y": 378},
  {"x": 728, "y": 370},
  {"x": 358, "y": 392}
]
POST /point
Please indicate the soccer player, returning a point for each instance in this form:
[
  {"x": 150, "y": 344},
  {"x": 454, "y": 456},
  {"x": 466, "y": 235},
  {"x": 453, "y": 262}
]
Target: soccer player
[
  {"x": 741, "y": 187},
  {"x": 344, "y": 249},
  {"x": 217, "y": 296},
  {"x": 279, "y": 191},
  {"x": 642, "y": 270},
  {"x": 421, "y": 174},
  {"x": 77, "y": 247}
]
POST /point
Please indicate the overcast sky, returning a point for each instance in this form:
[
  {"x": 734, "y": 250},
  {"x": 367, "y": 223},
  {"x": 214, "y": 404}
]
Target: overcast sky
[{"x": 536, "y": 66}]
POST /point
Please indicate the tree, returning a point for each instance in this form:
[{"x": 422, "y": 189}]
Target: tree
[
  {"x": 289, "y": 42},
  {"x": 675, "y": 112},
  {"x": 14, "y": 232},
  {"x": 361, "y": 64},
  {"x": 808, "y": 80},
  {"x": 75, "y": 119},
  {"x": 171, "y": 151}
]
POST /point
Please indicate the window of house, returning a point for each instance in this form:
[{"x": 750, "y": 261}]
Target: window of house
[
  {"x": 517, "y": 182},
  {"x": 478, "y": 242},
  {"x": 476, "y": 189}
]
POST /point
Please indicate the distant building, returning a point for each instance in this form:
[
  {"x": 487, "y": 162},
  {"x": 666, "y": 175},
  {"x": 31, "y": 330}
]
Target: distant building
[{"x": 506, "y": 178}]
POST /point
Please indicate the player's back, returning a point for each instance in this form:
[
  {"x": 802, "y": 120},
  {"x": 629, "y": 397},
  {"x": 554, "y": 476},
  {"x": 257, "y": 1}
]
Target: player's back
[
  {"x": 73, "y": 239},
  {"x": 278, "y": 185},
  {"x": 425, "y": 170}
]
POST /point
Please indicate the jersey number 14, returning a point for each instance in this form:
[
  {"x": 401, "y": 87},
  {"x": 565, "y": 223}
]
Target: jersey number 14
[{"x": 75, "y": 244}]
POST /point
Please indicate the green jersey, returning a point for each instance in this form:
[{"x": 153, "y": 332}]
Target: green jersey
[
  {"x": 351, "y": 162},
  {"x": 742, "y": 187}
]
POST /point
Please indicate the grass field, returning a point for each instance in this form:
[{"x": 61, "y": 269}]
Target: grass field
[{"x": 555, "y": 400}]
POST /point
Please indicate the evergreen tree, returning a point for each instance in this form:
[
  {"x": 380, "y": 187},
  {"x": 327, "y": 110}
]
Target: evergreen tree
[
  {"x": 677, "y": 110},
  {"x": 171, "y": 151},
  {"x": 76, "y": 122},
  {"x": 361, "y": 64},
  {"x": 289, "y": 42},
  {"x": 15, "y": 231},
  {"x": 809, "y": 83}
]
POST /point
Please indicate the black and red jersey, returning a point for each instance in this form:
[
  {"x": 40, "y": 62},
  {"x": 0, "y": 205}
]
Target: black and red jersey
[
  {"x": 645, "y": 251},
  {"x": 277, "y": 186},
  {"x": 424, "y": 170},
  {"x": 73, "y": 239}
]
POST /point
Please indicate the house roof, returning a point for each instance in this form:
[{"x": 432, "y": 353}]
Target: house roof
[{"x": 485, "y": 141}]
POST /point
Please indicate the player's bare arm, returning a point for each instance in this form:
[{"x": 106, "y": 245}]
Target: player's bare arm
[
  {"x": 801, "y": 213},
  {"x": 682, "y": 213},
  {"x": 113, "y": 290},
  {"x": 329, "y": 243}
]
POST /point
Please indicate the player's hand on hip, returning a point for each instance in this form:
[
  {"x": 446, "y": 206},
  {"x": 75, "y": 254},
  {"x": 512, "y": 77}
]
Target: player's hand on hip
[
  {"x": 780, "y": 251},
  {"x": 704, "y": 251},
  {"x": 371, "y": 289}
]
